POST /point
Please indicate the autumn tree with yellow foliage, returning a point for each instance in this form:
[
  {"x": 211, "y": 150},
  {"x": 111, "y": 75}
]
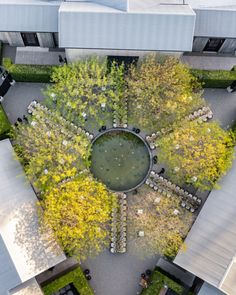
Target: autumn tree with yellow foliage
[
  {"x": 82, "y": 88},
  {"x": 198, "y": 154},
  {"x": 78, "y": 212},
  {"x": 50, "y": 150},
  {"x": 161, "y": 92},
  {"x": 163, "y": 222}
]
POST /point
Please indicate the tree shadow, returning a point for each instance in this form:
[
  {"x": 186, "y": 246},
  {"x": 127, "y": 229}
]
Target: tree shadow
[{"x": 38, "y": 245}]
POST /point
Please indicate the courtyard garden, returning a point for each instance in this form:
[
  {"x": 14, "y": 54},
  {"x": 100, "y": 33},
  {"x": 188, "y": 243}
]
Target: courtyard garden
[{"x": 118, "y": 156}]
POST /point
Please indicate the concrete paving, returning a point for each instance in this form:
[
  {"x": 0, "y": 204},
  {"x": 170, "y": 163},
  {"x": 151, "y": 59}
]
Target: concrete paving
[
  {"x": 18, "y": 98},
  {"x": 38, "y": 56},
  {"x": 117, "y": 274},
  {"x": 223, "y": 105},
  {"x": 33, "y": 55},
  {"x": 207, "y": 62}
]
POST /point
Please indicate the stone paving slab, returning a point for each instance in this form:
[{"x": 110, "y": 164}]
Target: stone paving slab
[
  {"x": 25, "y": 55},
  {"x": 209, "y": 62}
]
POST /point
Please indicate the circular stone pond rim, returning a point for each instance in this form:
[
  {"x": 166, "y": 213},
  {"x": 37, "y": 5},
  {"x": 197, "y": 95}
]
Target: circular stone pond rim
[{"x": 145, "y": 143}]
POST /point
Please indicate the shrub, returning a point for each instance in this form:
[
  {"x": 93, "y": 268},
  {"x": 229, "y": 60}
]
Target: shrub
[
  {"x": 29, "y": 73},
  {"x": 234, "y": 128},
  {"x": 158, "y": 280},
  {"x": 214, "y": 78},
  {"x": 4, "y": 124},
  {"x": 76, "y": 277}
]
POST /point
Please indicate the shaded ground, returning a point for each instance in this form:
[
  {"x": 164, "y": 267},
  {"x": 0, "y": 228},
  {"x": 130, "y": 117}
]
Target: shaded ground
[
  {"x": 208, "y": 61},
  {"x": 18, "y": 98},
  {"x": 223, "y": 105},
  {"x": 116, "y": 274}
]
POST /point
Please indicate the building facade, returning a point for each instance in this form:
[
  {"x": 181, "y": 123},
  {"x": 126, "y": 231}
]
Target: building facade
[{"x": 121, "y": 27}]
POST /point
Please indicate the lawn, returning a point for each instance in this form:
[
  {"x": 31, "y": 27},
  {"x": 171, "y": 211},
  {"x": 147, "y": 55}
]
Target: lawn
[
  {"x": 4, "y": 124},
  {"x": 158, "y": 280}
]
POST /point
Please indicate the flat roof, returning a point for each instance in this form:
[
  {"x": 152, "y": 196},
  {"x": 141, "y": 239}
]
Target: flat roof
[
  {"x": 211, "y": 243},
  {"x": 29, "y": 251},
  {"x": 91, "y": 25},
  {"x": 29, "y": 16},
  {"x": 30, "y": 287},
  {"x": 208, "y": 289}
]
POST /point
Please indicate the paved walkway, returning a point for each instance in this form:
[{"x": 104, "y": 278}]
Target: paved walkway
[
  {"x": 38, "y": 56},
  {"x": 18, "y": 98},
  {"x": 117, "y": 274},
  {"x": 206, "y": 62},
  {"x": 33, "y": 55},
  {"x": 223, "y": 105}
]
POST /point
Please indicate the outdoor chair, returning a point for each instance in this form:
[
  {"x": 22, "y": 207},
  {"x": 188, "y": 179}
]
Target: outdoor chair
[{"x": 183, "y": 205}]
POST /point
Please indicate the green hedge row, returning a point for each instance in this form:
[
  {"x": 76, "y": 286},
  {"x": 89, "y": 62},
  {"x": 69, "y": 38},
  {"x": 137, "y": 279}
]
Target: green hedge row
[
  {"x": 4, "y": 124},
  {"x": 76, "y": 277},
  {"x": 214, "y": 78},
  {"x": 158, "y": 279},
  {"x": 42, "y": 74},
  {"x": 28, "y": 73}
]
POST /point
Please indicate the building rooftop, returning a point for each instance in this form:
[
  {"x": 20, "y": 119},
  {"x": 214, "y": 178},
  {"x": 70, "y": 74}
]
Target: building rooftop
[
  {"x": 211, "y": 244},
  {"x": 24, "y": 250},
  {"x": 30, "y": 287}
]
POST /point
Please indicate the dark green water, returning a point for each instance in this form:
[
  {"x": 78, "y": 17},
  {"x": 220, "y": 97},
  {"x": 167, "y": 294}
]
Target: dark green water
[{"x": 120, "y": 159}]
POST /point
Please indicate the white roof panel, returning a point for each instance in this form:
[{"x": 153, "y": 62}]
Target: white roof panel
[
  {"x": 207, "y": 289},
  {"x": 8, "y": 274},
  {"x": 118, "y": 4},
  {"x": 216, "y": 23},
  {"x": 221, "y": 4},
  {"x": 211, "y": 243},
  {"x": 31, "y": 252},
  {"x": 29, "y": 16},
  {"x": 30, "y": 287},
  {"x": 89, "y": 25}
]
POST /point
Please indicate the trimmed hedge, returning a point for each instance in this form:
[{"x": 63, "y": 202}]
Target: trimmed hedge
[
  {"x": 158, "y": 279},
  {"x": 214, "y": 78},
  {"x": 28, "y": 73},
  {"x": 76, "y": 277},
  {"x": 42, "y": 74},
  {"x": 234, "y": 128},
  {"x": 4, "y": 124}
]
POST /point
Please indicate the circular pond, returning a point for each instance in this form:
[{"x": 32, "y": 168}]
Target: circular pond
[{"x": 120, "y": 159}]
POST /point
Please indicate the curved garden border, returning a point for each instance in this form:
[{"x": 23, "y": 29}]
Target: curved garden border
[{"x": 145, "y": 143}]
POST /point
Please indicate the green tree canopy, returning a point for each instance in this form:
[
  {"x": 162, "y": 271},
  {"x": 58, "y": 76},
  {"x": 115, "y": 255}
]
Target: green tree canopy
[
  {"x": 51, "y": 151},
  {"x": 81, "y": 88},
  {"x": 161, "y": 92},
  {"x": 79, "y": 211},
  {"x": 199, "y": 154}
]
